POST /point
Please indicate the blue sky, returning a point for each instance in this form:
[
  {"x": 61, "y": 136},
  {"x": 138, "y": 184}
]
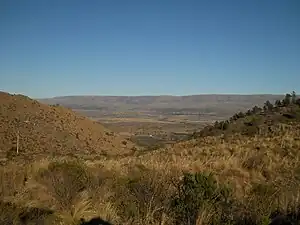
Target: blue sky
[{"x": 149, "y": 47}]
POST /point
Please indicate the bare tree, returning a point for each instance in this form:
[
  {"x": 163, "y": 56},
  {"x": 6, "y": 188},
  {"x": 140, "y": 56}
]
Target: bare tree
[
  {"x": 17, "y": 132},
  {"x": 18, "y": 140}
]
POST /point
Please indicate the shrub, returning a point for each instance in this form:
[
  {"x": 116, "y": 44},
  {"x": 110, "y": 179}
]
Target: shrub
[
  {"x": 11, "y": 213},
  {"x": 198, "y": 191},
  {"x": 142, "y": 197},
  {"x": 250, "y": 130},
  {"x": 262, "y": 202},
  {"x": 12, "y": 180},
  {"x": 65, "y": 180}
]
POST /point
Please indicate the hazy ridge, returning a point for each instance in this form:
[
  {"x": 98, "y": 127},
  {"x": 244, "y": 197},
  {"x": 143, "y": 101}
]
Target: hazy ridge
[{"x": 215, "y": 103}]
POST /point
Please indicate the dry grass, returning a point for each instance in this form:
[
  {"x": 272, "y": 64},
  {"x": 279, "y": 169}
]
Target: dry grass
[
  {"x": 35, "y": 128},
  {"x": 263, "y": 171},
  {"x": 252, "y": 178}
]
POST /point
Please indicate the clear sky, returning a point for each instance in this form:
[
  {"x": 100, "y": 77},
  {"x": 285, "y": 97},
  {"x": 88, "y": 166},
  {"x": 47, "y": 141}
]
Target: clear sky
[{"x": 149, "y": 47}]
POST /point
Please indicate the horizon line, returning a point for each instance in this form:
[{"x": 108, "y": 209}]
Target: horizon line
[
  {"x": 165, "y": 95},
  {"x": 148, "y": 95}
]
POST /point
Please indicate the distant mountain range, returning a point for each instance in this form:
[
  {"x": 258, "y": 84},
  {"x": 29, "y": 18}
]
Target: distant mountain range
[{"x": 216, "y": 104}]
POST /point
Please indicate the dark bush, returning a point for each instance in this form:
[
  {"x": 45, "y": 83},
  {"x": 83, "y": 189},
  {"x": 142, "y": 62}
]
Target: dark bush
[
  {"x": 250, "y": 130},
  {"x": 197, "y": 191},
  {"x": 289, "y": 115},
  {"x": 11, "y": 213}
]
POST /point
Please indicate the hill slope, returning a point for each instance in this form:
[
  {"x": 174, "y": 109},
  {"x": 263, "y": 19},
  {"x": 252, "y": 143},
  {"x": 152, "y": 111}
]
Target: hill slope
[
  {"x": 256, "y": 120},
  {"x": 45, "y": 129}
]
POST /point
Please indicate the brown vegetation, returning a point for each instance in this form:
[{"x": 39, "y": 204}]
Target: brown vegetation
[
  {"x": 227, "y": 179},
  {"x": 32, "y": 128}
]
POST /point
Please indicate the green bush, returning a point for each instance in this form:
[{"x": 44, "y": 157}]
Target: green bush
[{"x": 200, "y": 191}]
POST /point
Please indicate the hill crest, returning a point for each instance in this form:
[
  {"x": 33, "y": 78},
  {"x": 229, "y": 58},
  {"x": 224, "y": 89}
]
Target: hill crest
[{"x": 257, "y": 119}]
